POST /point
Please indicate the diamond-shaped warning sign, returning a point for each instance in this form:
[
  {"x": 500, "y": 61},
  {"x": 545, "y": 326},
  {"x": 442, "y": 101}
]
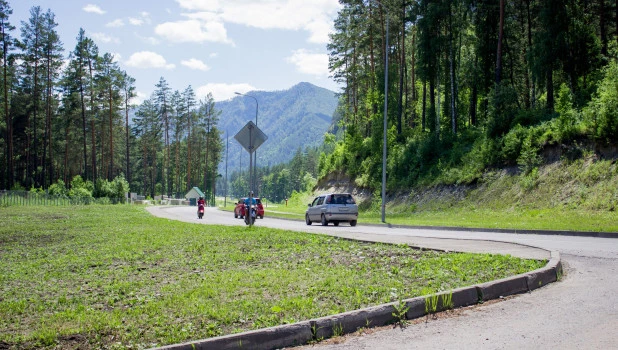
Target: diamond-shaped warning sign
[{"x": 250, "y": 137}]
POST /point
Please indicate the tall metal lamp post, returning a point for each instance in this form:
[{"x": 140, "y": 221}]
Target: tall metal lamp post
[
  {"x": 254, "y": 180},
  {"x": 385, "y": 124},
  {"x": 384, "y": 143},
  {"x": 227, "y": 145}
]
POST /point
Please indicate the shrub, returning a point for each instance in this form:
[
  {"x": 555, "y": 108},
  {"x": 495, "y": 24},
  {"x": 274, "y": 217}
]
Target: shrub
[
  {"x": 120, "y": 187},
  {"x": 80, "y": 192},
  {"x": 602, "y": 112},
  {"x": 57, "y": 189},
  {"x": 512, "y": 143}
]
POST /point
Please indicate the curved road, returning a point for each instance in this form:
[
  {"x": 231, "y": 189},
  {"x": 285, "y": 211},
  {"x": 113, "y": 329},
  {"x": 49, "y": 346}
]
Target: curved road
[{"x": 578, "y": 312}]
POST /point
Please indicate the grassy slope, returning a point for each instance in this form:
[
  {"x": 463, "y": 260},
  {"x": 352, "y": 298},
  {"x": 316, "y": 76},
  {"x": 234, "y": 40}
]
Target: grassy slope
[{"x": 576, "y": 196}]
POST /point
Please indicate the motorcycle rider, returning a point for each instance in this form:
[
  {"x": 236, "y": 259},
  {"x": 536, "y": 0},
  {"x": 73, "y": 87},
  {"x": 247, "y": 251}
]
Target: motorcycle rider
[
  {"x": 249, "y": 203},
  {"x": 200, "y": 205}
]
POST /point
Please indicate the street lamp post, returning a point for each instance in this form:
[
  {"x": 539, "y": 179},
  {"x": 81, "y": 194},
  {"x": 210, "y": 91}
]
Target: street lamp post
[
  {"x": 385, "y": 124},
  {"x": 253, "y": 182},
  {"x": 227, "y": 146},
  {"x": 384, "y": 143}
]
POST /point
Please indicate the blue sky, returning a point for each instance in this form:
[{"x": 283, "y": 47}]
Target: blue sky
[{"x": 216, "y": 46}]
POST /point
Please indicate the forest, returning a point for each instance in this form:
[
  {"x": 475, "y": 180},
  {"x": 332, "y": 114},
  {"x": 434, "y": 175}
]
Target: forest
[
  {"x": 465, "y": 85},
  {"x": 68, "y": 119},
  {"x": 471, "y": 85}
]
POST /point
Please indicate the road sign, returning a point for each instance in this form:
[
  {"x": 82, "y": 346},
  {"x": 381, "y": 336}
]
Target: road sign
[{"x": 250, "y": 137}]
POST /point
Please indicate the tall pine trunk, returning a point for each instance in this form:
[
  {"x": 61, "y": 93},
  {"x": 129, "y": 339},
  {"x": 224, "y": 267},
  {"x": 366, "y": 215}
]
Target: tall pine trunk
[
  {"x": 499, "y": 50},
  {"x": 10, "y": 171},
  {"x": 452, "y": 72}
]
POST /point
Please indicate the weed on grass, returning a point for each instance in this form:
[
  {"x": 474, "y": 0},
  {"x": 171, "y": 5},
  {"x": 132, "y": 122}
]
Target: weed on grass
[{"x": 116, "y": 277}]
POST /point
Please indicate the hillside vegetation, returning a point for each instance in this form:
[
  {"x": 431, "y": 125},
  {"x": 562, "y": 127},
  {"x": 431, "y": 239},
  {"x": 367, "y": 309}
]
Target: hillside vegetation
[
  {"x": 580, "y": 195},
  {"x": 511, "y": 115}
]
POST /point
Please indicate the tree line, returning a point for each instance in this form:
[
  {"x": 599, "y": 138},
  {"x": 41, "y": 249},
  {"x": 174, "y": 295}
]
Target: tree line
[
  {"x": 71, "y": 114},
  {"x": 470, "y": 84}
]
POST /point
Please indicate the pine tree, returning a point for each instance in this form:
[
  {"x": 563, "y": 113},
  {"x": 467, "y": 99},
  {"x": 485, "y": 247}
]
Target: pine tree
[{"x": 7, "y": 175}]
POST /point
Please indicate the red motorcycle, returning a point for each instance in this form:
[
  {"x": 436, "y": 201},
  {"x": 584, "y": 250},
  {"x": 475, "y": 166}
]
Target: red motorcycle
[{"x": 200, "y": 211}]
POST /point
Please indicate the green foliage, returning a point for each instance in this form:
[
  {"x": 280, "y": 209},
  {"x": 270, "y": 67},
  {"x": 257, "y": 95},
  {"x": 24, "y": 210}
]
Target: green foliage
[
  {"x": 81, "y": 188},
  {"x": 57, "y": 189},
  {"x": 400, "y": 309},
  {"x": 120, "y": 187},
  {"x": 529, "y": 156},
  {"x": 512, "y": 143},
  {"x": 503, "y": 107},
  {"x": 569, "y": 118},
  {"x": 102, "y": 188},
  {"x": 602, "y": 112}
]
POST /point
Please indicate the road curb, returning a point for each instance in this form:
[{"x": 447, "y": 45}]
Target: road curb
[
  {"x": 302, "y": 333},
  {"x": 505, "y": 230}
]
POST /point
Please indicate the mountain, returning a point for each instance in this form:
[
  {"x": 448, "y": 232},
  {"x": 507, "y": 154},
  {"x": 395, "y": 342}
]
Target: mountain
[{"x": 292, "y": 119}]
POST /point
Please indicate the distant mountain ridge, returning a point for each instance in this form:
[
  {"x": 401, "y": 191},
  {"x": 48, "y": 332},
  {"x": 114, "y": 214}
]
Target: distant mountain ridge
[{"x": 292, "y": 119}]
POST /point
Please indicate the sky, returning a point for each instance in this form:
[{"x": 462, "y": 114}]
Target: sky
[{"x": 215, "y": 46}]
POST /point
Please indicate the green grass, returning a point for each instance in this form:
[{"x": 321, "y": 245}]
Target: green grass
[
  {"x": 504, "y": 218},
  {"x": 526, "y": 219},
  {"x": 116, "y": 277}
]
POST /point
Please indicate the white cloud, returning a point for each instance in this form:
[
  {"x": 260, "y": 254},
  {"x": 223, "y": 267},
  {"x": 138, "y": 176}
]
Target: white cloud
[
  {"x": 310, "y": 63},
  {"x": 221, "y": 92},
  {"x": 136, "y": 21},
  {"x": 117, "y": 23},
  {"x": 193, "y": 30},
  {"x": 104, "y": 38},
  {"x": 148, "y": 59},
  {"x": 93, "y": 9},
  {"x": 315, "y": 16},
  {"x": 144, "y": 17},
  {"x": 148, "y": 39},
  {"x": 194, "y": 63}
]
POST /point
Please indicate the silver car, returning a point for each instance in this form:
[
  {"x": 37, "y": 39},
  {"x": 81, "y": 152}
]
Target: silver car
[{"x": 332, "y": 207}]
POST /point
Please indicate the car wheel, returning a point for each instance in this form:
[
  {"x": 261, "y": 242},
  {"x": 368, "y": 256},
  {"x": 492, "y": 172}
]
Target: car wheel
[
  {"x": 235, "y": 215},
  {"x": 324, "y": 222},
  {"x": 353, "y": 223},
  {"x": 336, "y": 223},
  {"x": 261, "y": 216},
  {"x": 307, "y": 221}
]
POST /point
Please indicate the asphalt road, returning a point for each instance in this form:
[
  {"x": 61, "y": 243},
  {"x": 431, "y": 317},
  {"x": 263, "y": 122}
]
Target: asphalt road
[{"x": 578, "y": 312}]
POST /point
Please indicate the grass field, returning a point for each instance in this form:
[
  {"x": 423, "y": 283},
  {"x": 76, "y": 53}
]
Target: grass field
[
  {"x": 522, "y": 219},
  {"x": 115, "y": 277}
]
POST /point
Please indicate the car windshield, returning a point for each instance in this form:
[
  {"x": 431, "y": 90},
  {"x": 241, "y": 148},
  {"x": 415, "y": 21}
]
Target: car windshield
[
  {"x": 257, "y": 200},
  {"x": 342, "y": 199}
]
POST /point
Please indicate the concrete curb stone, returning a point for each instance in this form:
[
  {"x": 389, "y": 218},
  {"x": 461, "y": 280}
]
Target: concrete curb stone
[
  {"x": 502, "y": 288},
  {"x": 267, "y": 338},
  {"x": 349, "y": 322},
  {"x": 549, "y": 274}
]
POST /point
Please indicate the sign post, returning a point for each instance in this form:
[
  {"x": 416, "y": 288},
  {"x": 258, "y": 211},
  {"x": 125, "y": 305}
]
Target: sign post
[{"x": 250, "y": 138}]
